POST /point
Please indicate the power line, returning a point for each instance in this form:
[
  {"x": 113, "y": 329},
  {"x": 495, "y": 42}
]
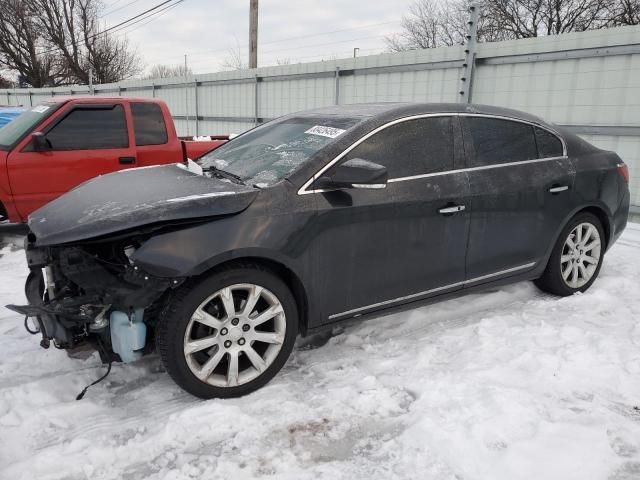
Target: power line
[
  {"x": 125, "y": 22},
  {"x": 293, "y": 38},
  {"x": 151, "y": 18},
  {"x": 109, "y": 12}
]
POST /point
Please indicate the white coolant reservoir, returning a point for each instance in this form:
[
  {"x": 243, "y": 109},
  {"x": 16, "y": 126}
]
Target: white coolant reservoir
[{"x": 128, "y": 335}]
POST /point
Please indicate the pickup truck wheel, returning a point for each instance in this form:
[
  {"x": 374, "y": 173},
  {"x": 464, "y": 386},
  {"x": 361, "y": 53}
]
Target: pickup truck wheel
[{"x": 228, "y": 334}]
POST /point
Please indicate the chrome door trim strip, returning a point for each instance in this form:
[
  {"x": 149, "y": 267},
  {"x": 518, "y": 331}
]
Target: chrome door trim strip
[
  {"x": 399, "y": 299},
  {"x": 433, "y": 290},
  {"x": 501, "y": 272},
  {"x": 473, "y": 169},
  {"x": 303, "y": 190}
]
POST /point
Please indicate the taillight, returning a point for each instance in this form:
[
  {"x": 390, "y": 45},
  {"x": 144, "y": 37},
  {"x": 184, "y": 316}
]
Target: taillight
[{"x": 624, "y": 171}]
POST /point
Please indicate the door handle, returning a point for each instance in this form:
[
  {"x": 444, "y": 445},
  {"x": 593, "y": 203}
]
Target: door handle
[
  {"x": 127, "y": 160},
  {"x": 558, "y": 188},
  {"x": 451, "y": 210}
]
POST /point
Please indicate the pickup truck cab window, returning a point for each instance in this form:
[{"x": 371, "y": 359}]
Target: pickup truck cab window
[
  {"x": 90, "y": 129},
  {"x": 409, "y": 148},
  {"x": 148, "y": 124}
]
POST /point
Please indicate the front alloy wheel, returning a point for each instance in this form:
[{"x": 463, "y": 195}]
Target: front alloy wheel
[
  {"x": 234, "y": 335},
  {"x": 230, "y": 342}
]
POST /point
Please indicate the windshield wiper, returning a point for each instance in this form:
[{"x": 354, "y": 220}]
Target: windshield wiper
[{"x": 224, "y": 174}]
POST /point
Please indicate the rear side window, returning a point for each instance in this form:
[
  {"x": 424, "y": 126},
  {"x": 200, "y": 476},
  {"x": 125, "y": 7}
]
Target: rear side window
[
  {"x": 548, "y": 144},
  {"x": 414, "y": 147},
  {"x": 148, "y": 124},
  {"x": 501, "y": 141},
  {"x": 90, "y": 129}
]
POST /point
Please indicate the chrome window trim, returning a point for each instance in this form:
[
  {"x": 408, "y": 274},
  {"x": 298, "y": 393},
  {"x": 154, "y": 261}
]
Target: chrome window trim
[
  {"x": 433, "y": 290},
  {"x": 303, "y": 190}
]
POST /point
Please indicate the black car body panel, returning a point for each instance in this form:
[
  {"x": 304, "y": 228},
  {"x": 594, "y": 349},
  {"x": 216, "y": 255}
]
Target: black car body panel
[
  {"x": 135, "y": 198},
  {"x": 345, "y": 252}
]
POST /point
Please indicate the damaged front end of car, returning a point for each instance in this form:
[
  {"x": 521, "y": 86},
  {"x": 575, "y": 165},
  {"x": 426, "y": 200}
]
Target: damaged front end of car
[
  {"x": 93, "y": 296},
  {"x": 85, "y": 290}
]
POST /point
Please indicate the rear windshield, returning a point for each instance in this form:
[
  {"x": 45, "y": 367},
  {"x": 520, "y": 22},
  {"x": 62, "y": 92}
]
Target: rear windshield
[
  {"x": 11, "y": 133},
  {"x": 268, "y": 153}
]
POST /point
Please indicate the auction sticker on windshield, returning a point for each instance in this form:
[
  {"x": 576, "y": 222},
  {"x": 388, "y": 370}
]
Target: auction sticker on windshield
[
  {"x": 40, "y": 109},
  {"x": 330, "y": 132}
]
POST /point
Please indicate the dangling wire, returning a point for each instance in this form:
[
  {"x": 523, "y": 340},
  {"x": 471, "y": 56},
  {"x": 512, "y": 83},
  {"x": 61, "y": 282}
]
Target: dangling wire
[
  {"x": 102, "y": 350},
  {"x": 84, "y": 390}
]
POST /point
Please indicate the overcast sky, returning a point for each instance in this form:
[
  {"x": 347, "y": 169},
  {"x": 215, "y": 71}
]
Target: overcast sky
[{"x": 297, "y": 30}]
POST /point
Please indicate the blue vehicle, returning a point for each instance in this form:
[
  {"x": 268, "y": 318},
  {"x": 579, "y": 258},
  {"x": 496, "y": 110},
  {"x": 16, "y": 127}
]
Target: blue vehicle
[{"x": 7, "y": 114}]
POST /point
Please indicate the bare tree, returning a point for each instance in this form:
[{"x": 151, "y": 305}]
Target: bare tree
[
  {"x": 71, "y": 27},
  {"x": 166, "y": 71},
  {"x": 432, "y": 24},
  {"x": 234, "y": 59},
  {"x": 20, "y": 43},
  {"x": 5, "y": 82},
  {"x": 625, "y": 12}
]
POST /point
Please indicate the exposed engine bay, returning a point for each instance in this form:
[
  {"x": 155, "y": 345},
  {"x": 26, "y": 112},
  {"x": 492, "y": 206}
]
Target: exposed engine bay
[{"x": 92, "y": 295}]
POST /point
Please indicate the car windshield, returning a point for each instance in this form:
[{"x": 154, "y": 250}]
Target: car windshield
[
  {"x": 268, "y": 153},
  {"x": 14, "y": 131}
]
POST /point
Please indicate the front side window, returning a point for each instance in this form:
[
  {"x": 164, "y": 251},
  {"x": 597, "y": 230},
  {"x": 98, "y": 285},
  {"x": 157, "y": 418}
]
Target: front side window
[
  {"x": 24, "y": 123},
  {"x": 412, "y": 147},
  {"x": 268, "y": 153},
  {"x": 90, "y": 129},
  {"x": 148, "y": 124},
  {"x": 497, "y": 141}
]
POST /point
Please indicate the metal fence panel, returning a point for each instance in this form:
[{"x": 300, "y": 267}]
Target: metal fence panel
[{"x": 587, "y": 81}]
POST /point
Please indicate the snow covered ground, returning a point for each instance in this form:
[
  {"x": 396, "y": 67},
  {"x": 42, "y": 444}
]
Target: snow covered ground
[{"x": 509, "y": 384}]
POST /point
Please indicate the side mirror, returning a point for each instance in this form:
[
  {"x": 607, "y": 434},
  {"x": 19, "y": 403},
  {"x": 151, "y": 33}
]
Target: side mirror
[
  {"x": 354, "y": 173},
  {"x": 40, "y": 142}
]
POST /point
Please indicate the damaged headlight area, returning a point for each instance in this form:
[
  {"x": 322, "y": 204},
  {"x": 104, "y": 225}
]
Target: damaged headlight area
[{"x": 92, "y": 296}]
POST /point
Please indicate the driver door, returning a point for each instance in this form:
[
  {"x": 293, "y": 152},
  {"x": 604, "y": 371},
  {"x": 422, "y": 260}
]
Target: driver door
[
  {"x": 85, "y": 141},
  {"x": 379, "y": 248}
]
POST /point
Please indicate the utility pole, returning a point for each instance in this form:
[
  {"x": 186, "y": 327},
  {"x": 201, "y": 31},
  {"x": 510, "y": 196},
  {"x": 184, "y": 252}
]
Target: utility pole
[
  {"x": 253, "y": 33},
  {"x": 355, "y": 52}
]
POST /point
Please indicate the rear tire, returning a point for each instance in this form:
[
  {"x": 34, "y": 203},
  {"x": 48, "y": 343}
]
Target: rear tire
[
  {"x": 576, "y": 258},
  {"x": 228, "y": 334}
]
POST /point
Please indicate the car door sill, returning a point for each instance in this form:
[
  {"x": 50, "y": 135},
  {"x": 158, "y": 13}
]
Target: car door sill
[{"x": 414, "y": 297}]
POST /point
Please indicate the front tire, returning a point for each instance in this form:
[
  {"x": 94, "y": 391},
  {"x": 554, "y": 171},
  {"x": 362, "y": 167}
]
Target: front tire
[
  {"x": 576, "y": 258},
  {"x": 228, "y": 334}
]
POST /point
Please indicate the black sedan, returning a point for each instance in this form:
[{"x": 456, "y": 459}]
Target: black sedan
[{"x": 311, "y": 219}]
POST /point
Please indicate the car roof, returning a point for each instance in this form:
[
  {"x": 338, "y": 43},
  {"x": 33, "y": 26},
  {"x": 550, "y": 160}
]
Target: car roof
[{"x": 399, "y": 110}]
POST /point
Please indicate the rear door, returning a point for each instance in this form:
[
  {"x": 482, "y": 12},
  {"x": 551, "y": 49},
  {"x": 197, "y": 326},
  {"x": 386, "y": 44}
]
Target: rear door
[
  {"x": 154, "y": 143},
  {"x": 86, "y": 141},
  {"x": 521, "y": 184},
  {"x": 380, "y": 248}
]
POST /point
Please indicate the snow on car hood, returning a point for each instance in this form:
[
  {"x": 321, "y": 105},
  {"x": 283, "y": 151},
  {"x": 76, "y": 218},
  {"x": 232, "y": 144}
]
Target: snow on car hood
[{"x": 134, "y": 198}]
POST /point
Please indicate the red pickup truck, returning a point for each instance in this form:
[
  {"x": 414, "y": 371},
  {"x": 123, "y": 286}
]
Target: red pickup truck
[{"x": 53, "y": 147}]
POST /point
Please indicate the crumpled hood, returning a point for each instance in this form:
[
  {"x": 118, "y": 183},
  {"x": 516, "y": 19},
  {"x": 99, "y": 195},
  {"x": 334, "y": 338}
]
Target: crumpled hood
[{"x": 135, "y": 198}]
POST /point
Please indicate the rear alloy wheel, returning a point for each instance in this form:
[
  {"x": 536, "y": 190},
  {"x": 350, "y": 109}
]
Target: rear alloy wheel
[
  {"x": 577, "y": 257},
  {"x": 232, "y": 341},
  {"x": 580, "y": 255}
]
